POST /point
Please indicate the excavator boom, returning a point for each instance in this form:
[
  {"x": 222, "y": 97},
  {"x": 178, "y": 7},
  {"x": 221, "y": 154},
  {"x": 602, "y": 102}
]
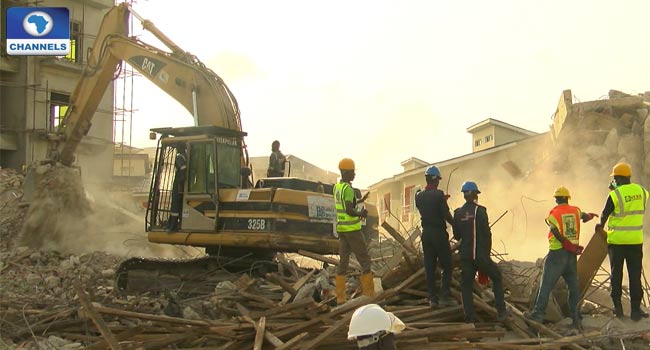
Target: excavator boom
[
  {"x": 212, "y": 202},
  {"x": 181, "y": 75}
]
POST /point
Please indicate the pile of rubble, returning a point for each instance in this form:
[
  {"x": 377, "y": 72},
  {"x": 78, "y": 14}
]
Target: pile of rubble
[
  {"x": 601, "y": 133},
  {"x": 57, "y": 209},
  {"x": 55, "y": 301},
  {"x": 12, "y": 210}
]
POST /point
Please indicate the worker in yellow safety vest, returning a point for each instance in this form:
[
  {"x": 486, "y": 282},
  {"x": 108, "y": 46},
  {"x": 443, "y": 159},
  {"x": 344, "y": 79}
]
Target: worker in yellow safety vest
[
  {"x": 625, "y": 209},
  {"x": 348, "y": 227},
  {"x": 562, "y": 261}
]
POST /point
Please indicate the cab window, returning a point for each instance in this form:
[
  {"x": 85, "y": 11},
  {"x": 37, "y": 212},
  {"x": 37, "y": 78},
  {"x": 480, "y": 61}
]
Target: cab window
[{"x": 201, "y": 168}]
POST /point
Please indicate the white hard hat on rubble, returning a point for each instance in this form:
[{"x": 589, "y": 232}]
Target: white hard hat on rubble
[{"x": 372, "y": 319}]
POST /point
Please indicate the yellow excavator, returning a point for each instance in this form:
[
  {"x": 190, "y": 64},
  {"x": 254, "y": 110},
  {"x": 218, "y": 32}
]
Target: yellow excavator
[{"x": 239, "y": 222}]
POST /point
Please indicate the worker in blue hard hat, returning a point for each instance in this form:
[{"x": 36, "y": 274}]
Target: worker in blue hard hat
[
  {"x": 472, "y": 229},
  {"x": 435, "y": 214}
]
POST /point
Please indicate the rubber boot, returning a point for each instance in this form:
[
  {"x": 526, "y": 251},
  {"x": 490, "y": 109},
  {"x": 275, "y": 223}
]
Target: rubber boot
[
  {"x": 367, "y": 284},
  {"x": 637, "y": 314},
  {"x": 340, "y": 289},
  {"x": 618, "y": 309}
]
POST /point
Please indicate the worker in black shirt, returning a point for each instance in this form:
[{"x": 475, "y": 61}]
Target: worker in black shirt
[
  {"x": 624, "y": 215},
  {"x": 180, "y": 167},
  {"x": 434, "y": 212},
  {"x": 472, "y": 228}
]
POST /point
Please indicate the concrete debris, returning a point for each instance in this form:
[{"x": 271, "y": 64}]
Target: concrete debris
[{"x": 50, "y": 299}]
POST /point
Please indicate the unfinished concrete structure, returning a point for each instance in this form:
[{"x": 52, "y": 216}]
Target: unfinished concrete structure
[{"x": 35, "y": 92}]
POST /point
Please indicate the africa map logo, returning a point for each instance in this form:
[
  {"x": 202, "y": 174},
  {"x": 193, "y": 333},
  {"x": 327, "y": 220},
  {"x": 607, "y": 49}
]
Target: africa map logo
[
  {"x": 43, "y": 31},
  {"x": 38, "y": 23}
]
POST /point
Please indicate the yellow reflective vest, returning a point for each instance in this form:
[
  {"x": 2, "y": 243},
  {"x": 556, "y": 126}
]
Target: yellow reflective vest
[
  {"x": 345, "y": 222},
  {"x": 625, "y": 224}
]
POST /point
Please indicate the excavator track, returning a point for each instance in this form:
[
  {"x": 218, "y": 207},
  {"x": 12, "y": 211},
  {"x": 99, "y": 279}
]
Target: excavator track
[{"x": 188, "y": 277}]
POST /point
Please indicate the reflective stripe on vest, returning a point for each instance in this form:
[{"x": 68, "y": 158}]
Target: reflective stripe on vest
[
  {"x": 344, "y": 222},
  {"x": 626, "y": 222},
  {"x": 567, "y": 220}
]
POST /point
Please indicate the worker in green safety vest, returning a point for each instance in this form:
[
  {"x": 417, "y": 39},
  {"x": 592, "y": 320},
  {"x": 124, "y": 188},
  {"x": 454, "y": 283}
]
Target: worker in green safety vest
[
  {"x": 348, "y": 227},
  {"x": 625, "y": 209}
]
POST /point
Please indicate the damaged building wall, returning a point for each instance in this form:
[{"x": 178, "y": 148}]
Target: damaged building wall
[
  {"x": 585, "y": 141},
  {"x": 489, "y": 168},
  {"x": 599, "y": 134}
]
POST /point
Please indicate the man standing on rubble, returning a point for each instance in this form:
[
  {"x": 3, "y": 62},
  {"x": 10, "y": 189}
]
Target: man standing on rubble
[
  {"x": 434, "y": 213},
  {"x": 472, "y": 228},
  {"x": 625, "y": 209},
  {"x": 562, "y": 257},
  {"x": 276, "y": 161},
  {"x": 180, "y": 167},
  {"x": 348, "y": 227}
]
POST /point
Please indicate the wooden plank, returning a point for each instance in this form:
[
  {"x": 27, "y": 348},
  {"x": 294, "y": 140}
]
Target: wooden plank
[
  {"x": 293, "y": 341},
  {"x": 158, "y": 318},
  {"x": 299, "y": 284},
  {"x": 129, "y": 333},
  {"x": 397, "y": 256},
  {"x": 280, "y": 282},
  {"x": 259, "y": 334},
  {"x": 399, "y": 238},
  {"x": 353, "y": 264},
  {"x": 452, "y": 331},
  {"x": 270, "y": 337},
  {"x": 96, "y": 318},
  {"x": 326, "y": 334},
  {"x": 590, "y": 261}
]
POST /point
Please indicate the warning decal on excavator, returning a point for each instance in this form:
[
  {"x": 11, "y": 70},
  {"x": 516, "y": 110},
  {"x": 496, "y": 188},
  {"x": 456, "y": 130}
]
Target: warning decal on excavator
[
  {"x": 243, "y": 195},
  {"x": 321, "y": 209}
]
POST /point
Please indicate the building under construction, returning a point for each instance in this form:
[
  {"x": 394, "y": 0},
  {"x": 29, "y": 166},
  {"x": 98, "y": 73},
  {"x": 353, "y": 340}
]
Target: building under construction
[{"x": 35, "y": 94}]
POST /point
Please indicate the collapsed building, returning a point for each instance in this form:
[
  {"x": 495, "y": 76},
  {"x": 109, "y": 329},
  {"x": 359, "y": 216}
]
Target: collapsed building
[{"x": 70, "y": 301}]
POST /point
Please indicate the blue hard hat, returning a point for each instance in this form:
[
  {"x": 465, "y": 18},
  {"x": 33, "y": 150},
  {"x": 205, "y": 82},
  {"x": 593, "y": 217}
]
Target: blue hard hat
[
  {"x": 432, "y": 171},
  {"x": 469, "y": 186}
]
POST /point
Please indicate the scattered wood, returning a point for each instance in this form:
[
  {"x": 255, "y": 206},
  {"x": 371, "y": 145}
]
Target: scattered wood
[{"x": 96, "y": 318}]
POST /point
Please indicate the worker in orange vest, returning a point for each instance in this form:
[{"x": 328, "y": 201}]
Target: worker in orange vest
[{"x": 562, "y": 258}]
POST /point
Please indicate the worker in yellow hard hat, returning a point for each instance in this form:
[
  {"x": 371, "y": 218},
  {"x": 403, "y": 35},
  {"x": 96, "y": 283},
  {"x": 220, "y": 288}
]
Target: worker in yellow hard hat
[
  {"x": 348, "y": 227},
  {"x": 624, "y": 212},
  {"x": 562, "y": 258}
]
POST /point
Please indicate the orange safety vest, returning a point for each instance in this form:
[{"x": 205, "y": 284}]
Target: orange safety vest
[{"x": 567, "y": 220}]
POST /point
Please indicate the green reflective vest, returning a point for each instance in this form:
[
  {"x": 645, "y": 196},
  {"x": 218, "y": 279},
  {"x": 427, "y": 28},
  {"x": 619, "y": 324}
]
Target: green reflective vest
[
  {"x": 626, "y": 222},
  {"x": 345, "y": 222}
]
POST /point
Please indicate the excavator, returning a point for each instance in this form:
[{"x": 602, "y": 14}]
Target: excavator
[{"x": 240, "y": 223}]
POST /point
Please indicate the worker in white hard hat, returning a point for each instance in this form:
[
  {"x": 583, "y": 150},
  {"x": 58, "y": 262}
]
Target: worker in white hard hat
[{"x": 374, "y": 329}]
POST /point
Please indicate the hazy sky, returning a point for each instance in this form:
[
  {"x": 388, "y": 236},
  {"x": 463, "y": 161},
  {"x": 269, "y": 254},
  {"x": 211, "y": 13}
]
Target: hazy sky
[{"x": 382, "y": 81}]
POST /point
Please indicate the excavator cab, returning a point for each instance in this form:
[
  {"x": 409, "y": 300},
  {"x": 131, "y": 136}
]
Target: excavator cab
[{"x": 214, "y": 161}]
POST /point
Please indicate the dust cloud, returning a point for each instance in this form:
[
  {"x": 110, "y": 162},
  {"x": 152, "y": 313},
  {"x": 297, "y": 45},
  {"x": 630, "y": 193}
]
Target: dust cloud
[{"x": 64, "y": 217}]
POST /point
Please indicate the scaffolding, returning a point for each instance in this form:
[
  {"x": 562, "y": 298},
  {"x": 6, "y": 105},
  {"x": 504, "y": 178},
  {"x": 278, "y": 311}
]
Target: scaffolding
[{"x": 123, "y": 94}]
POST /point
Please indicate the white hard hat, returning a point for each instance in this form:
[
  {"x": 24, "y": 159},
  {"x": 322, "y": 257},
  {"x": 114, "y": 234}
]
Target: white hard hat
[{"x": 371, "y": 319}]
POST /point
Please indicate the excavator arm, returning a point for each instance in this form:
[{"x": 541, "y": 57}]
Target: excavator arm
[{"x": 181, "y": 75}]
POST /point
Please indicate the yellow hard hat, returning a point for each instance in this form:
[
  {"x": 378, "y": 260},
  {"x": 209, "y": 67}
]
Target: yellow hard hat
[
  {"x": 621, "y": 169},
  {"x": 562, "y": 192},
  {"x": 346, "y": 164}
]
